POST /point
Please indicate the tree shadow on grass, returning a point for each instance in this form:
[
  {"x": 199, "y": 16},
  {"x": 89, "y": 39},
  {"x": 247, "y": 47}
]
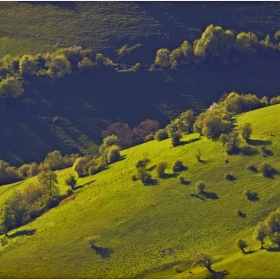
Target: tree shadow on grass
[
  {"x": 273, "y": 249},
  {"x": 203, "y": 161},
  {"x": 22, "y": 232},
  {"x": 167, "y": 176},
  {"x": 219, "y": 274},
  {"x": 258, "y": 142},
  {"x": 249, "y": 252},
  {"x": 152, "y": 168},
  {"x": 197, "y": 196},
  {"x": 104, "y": 253},
  {"x": 152, "y": 182},
  {"x": 182, "y": 143},
  {"x": 210, "y": 195},
  {"x": 270, "y": 173}
]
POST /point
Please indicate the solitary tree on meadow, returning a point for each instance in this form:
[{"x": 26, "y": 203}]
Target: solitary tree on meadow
[
  {"x": 205, "y": 260},
  {"x": 241, "y": 244}
]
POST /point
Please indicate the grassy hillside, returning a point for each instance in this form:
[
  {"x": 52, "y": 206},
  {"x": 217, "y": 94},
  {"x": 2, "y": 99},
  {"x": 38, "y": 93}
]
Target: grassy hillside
[
  {"x": 105, "y": 26},
  {"x": 146, "y": 231}
]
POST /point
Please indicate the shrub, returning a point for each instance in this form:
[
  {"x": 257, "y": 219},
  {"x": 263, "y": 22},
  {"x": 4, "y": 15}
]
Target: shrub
[
  {"x": 250, "y": 195},
  {"x": 113, "y": 154},
  {"x": 198, "y": 155},
  {"x": 183, "y": 180},
  {"x": 178, "y": 166},
  {"x": 71, "y": 181},
  {"x": 252, "y": 167},
  {"x": 134, "y": 178},
  {"x": 144, "y": 175},
  {"x": 266, "y": 169},
  {"x": 28, "y": 65},
  {"x": 11, "y": 87},
  {"x": 240, "y": 213},
  {"x": 241, "y": 244},
  {"x": 229, "y": 176},
  {"x": 149, "y": 137},
  {"x": 160, "y": 169},
  {"x": 80, "y": 165},
  {"x": 245, "y": 130},
  {"x": 142, "y": 163},
  {"x": 175, "y": 139},
  {"x": 85, "y": 65},
  {"x": 275, "y": 100},
  {"x": 200, "y": 187},
  {"x": 161, "y": 134}
]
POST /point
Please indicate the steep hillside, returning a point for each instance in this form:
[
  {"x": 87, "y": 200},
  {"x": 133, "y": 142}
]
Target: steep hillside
[
  {"x": 152, "y": 231},
  {"x": 68, "y": 114}
]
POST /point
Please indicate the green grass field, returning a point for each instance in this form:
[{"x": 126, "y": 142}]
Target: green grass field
[{"x": 147, "y": 231}]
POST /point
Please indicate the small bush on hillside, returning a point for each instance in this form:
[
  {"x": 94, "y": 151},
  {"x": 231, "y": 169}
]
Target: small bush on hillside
[
  {"x": 142, "y": 163},
  {"x": 71, "y": 181},
  {"x": 183, "y": 180},
  {"x": 161, "y": 135},
  {"x": 229, "y": 176},
  {"x": 200, "y": 187},
  {"x": 275, "y": 100},
  {"x": 247, "y": 151},
  {"x": 160, "y": 169},
  {"x": 11, "y": 87},
  {"x": 134, "y": 178},
  {"x": 149, "y": 137},
  {"x": 252, "y": 167},
  {"x": 144, "y": 175},
  {"x": 250, "y": 195},
  {"x": 198, "y": 155},
  {"x": 240, "y": 213},
  {"x": 266, "y": 169},
  {"x": 241, "y": 244},
  {"x": 178, "y": 166},
  {"x": 175, "y": 139},
  {"x": 245, "y": 130},
  {"x": 113, "y": 154}
]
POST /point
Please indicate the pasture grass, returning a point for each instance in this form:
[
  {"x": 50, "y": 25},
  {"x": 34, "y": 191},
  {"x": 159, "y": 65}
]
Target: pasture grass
[{"x": 146, "y": 231}]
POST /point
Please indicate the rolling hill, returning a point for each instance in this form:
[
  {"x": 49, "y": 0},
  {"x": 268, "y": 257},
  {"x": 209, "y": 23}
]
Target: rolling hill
[{"x": 155, "y": 231}]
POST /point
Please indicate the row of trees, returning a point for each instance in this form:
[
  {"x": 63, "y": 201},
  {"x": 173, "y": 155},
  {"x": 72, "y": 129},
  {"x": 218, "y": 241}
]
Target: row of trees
[
  {"x": 216, "y": 45},
  {"x": 53, "y": 161},
  {"x": 31, "y": 202}
]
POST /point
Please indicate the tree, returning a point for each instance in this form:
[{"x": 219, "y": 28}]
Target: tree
[
  {"x": 160, "y": 169},
  {"x": 71, "y": 181},
  {"x": 163, "y": 58},
  {"x": 28, "y": 65},
  {"x": 49, "y": 179},
  {"x": 11, "y": 87},
  {"x": 144, "y": 175},
  {"x": 204, "y": 260},
  {"x": 85, "y": 65},
  {"x": 80, "y": 165},
  {"x": 58, "y": 65},
  {"x": 175, "y": 138},
  {"x": 108, "y": 142},
  {"x": 144, "y": 129},
  {"x": 245, "y": 130},
  {"x": 161, "y": 135},
  {"x": 241, "y": 244},
  {"x": 113, "y": 154},
  {"x": 122, "y": 131},
  {"x": 260, "y": 233},
  {"x": 275, "y": 239}
]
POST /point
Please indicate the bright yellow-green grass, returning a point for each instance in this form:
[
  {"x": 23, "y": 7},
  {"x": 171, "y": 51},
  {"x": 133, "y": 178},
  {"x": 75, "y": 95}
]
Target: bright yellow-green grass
[{"x": 149, "y": 231}]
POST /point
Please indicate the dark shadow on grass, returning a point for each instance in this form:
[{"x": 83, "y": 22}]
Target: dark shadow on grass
[
  {"x": 104, "y": 253},
  {"x": 152, "y": 168},
  {"x": 22, "y": 232},
  {"x": 248, "y": 151},
  {"x": 270, "y": 173},
  {"x": 167, "y": 176},
  {"x": 210, "y": 195},
  {"x": 152, "y": 182},
  {"x": 273, "y": 249},
  {"x": 254, "y": 198},
  {"x": 203, "y": 161},
  {"x": 185, "y": 182},
  {"x": 182, "y": 143},
  {"x": 258, "y": 142},
  {"x": 219, "y": 274},
  {"x": 197, "y": 196},
  {"x": 249, "y": 252}
]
